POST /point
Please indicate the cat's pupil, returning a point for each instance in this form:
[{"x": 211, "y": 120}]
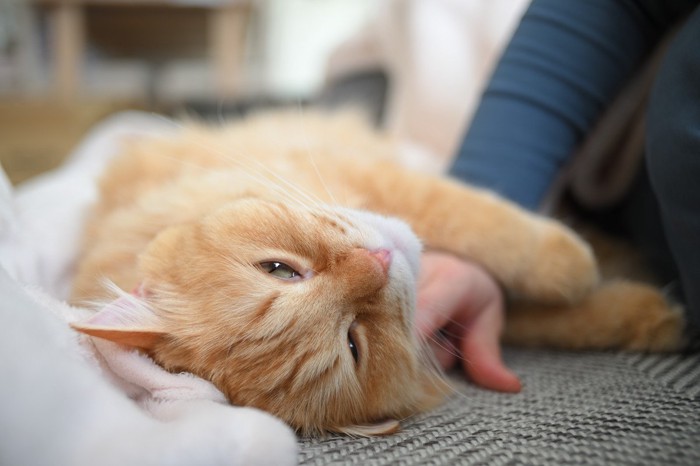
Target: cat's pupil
[
  {"x": 353, "y": 347},
  {"x": 279, "y": 270}
]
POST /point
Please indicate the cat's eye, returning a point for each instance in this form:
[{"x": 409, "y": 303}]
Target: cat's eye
[
  {"x": 280, "y": 270},
  {"x": 352, "y": 345}
]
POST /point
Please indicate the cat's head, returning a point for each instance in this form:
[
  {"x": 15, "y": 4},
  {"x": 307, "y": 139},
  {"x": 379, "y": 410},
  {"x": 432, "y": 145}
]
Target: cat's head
[{"x": 306, "y": 313}]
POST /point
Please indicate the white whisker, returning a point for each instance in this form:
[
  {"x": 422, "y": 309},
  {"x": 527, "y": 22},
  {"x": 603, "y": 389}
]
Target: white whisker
[{"x": 312, "y": 160}]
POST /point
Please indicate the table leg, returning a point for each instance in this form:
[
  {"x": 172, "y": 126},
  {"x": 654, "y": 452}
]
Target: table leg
[
  {"x": 67, "y": 47},
  {"x": 227, "y": 43}
]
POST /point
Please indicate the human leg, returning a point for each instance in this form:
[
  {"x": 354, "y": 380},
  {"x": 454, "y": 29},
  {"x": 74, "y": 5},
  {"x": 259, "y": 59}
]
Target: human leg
[{"x": 673, "y": 156}]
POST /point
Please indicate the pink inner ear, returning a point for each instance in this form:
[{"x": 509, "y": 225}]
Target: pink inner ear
[
  {"x": 127, "y": 320},
  {"x": 128, "y": 310},
  {"x": 115, "y": 314}
]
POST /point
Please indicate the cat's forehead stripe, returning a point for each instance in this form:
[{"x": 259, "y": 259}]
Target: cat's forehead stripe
[
  {"x": 264, "y": 307},
  {"x": 300, "y": 362},
  {"x": 294, "y": 379},
  {"x": 327, "y": 221}
]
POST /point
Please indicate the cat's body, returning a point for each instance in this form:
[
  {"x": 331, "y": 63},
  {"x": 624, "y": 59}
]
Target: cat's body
[{"x": 260, "y": 260}]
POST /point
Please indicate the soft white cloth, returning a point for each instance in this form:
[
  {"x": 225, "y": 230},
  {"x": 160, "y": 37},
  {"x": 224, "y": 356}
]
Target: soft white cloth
[
  {"x": 67, "y": 399},
  {"x": 41, "y": 221}
]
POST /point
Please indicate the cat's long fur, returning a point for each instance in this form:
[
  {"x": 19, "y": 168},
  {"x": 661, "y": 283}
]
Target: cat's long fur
[{"x": 186, "y": 222}]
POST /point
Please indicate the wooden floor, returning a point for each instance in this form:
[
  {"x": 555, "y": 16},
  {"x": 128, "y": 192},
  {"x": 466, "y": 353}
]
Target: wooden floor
[{"x": 36, "y": 135}]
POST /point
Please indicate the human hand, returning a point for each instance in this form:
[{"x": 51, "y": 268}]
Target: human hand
[{"x": 460, "y": 313}]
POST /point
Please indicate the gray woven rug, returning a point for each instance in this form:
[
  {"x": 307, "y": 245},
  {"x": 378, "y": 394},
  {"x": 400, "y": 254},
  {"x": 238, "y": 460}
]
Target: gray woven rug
[{"x": 576, "y": 408}]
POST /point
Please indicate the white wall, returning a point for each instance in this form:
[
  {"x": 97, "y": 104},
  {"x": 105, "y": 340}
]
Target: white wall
[{"x": 298, "y": 35}]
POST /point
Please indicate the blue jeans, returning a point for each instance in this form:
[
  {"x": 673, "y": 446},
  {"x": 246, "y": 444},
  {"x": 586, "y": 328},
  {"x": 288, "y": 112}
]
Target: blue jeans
[{"x": 673, "y": 157}]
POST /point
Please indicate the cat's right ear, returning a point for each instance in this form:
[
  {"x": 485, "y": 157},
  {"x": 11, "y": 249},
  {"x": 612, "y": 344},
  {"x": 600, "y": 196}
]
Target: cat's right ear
[{"x": 128, "y": 320}]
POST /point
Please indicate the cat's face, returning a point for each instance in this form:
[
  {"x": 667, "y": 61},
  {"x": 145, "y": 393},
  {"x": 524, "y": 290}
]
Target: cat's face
[{"x": 303, "y": 312}]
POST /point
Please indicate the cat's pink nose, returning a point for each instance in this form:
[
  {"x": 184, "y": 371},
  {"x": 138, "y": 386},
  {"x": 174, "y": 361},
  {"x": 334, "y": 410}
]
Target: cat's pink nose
[{"x": 383, "y": 256}]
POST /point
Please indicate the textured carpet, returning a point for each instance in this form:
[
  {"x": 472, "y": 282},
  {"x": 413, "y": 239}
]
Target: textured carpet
[{"x": 576, "y": 408}]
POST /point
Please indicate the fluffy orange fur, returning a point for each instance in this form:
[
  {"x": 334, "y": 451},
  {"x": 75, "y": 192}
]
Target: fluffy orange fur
[{"x": 192, "y": 222}]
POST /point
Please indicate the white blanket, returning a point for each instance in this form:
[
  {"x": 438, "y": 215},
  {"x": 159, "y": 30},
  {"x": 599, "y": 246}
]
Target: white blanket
[{"x": 67, "y": 399}]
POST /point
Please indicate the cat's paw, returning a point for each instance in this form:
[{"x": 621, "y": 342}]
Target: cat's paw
[
  {"x": 654, "y": 323},
  {"x": 563, "y": 269}
]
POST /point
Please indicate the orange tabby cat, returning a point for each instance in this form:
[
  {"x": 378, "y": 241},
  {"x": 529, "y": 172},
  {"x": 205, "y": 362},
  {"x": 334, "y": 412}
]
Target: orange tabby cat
[{"x": 260, "y": 258}]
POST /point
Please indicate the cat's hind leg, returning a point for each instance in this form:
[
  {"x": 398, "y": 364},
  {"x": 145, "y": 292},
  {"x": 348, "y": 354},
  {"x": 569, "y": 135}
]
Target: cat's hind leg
[{"x": 617, "y": 315}]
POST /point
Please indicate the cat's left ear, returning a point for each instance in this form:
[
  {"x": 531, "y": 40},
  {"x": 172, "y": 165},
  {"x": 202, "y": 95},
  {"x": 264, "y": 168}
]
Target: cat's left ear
[
  {"x": 388, "y": 427},
  {"x": 128, "y": 320}
]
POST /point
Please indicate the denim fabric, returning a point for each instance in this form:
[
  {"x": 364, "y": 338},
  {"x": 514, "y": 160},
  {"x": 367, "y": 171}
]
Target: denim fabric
[
  {"x": 564, "y": 65},
  {"x": 673, "y": 156}
]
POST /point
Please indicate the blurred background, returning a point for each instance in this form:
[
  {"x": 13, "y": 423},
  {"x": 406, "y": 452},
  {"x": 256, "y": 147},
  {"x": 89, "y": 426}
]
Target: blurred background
[{"x": 66, "y": 64}]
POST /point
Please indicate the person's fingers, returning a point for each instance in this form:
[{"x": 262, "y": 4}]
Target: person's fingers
[
  {"x": 445, "y": 351},
  {"x": 437, "y": 301},
  {"x": 481, "y": 352},
  {"x": 441, "y": 291},
  {"x": 460, "y": 310}
]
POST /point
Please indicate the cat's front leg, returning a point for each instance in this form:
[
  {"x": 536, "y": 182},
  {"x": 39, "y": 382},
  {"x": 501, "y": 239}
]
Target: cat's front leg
[{"x": 534, "y": 258}]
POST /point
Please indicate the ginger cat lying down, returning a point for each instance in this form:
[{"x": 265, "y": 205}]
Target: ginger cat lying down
[{"x": 277, "y": 258}]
